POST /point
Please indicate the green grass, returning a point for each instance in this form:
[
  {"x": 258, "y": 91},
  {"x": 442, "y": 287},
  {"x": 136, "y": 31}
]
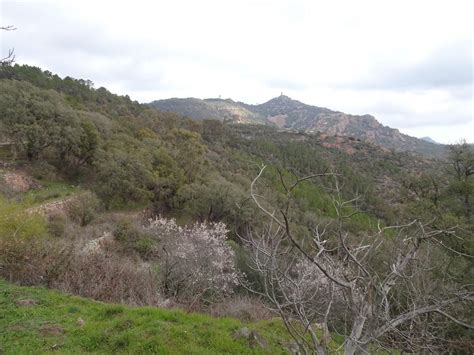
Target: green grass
[
  {"x": 49, "y": 191},
  {"x": 16, "y": 225},
  {"x": 5, "y": 152},
  {"x": 50, "y": 323}
]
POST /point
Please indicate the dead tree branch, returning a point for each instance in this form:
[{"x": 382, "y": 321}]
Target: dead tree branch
[{"x": 373, "y": 281}]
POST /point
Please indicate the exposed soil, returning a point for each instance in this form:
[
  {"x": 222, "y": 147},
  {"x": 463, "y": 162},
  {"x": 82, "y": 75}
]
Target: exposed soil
[{"x": 19, "y": 181}]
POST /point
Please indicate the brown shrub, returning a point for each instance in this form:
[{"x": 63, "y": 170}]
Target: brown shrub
[
  {"x": 37, "y": 266},
  {"x": 57, "y": 224},
  {"x": 30, "y": 261},
  {"x": 110, "y": 278},
  {"x": 62, "y": 264}
]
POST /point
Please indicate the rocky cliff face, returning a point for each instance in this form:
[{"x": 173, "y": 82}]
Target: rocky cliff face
[
  {"x": 285, "y": 113},
  {"x": 291, "y": 114}
]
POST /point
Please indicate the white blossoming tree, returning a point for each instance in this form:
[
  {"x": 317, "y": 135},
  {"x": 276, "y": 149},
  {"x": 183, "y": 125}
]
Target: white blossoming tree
[{"x": 196, "y": 262}]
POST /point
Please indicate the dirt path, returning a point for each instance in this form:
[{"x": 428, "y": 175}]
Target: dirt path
[{"x": 52, "y": 207}]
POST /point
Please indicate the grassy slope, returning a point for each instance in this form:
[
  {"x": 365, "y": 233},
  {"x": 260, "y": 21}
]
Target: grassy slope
[
  {"x": 49, "y": 191},
  {"x": 51, "y": 324}
]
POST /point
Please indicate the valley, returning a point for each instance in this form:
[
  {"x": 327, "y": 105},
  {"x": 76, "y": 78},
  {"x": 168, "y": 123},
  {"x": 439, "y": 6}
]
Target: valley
[{"x": 239, "y": 228}]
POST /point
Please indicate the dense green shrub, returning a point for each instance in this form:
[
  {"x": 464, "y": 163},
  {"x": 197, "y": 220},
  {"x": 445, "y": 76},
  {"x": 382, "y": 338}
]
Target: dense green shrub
[{"x": 23, "y": 237}]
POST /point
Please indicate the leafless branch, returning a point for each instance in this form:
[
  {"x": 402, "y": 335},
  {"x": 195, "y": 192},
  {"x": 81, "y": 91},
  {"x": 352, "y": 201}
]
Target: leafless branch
[
  {"x": 10, "y": 58},
  {"x": 311, "y": 281}
]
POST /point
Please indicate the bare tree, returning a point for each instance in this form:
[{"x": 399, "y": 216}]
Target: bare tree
[
  {"x": 376, "y": 290},
  {"x": 10, "y": 58}
]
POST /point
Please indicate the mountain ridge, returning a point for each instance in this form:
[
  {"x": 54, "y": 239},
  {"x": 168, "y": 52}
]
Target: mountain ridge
[{"x": 285, "y": 113}]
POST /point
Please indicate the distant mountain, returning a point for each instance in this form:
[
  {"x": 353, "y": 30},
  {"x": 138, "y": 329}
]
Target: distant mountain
[
  {"x": 288, "y": 114},
  {"x": 429, "y": 139},
  {"x": 217, "y": 109}
]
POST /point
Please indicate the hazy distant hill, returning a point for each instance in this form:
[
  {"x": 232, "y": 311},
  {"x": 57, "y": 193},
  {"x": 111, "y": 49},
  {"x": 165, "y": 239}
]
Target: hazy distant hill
[
  {"x": 286, "y": 113},
  {"x": 429, "y": 139}
]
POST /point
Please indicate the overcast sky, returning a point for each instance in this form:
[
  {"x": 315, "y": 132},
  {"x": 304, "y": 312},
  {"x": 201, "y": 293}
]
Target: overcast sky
[{"x": 408, "y": 63}]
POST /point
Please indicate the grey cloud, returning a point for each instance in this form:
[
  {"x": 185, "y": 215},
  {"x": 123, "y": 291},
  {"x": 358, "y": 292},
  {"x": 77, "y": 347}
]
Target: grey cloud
[
  {"x": 54, "y": 28},
  {"x": 412, "y": 120},
  {"x": 406, "y": 117},
  {"x": 284, "y": 84},
  {"x": 397, "y": 113},
  {"x": 50, "y": 37},
  {"x": 464, "y": 92},
  {"x": 447, "y": 67},
  {"x": 135, "y": 78},
  {"x": 89, "y": 40}
]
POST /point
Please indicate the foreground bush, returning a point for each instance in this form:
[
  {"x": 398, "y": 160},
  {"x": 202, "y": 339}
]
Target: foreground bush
[
  {"x": 29, "y": 256},
  {"x": 22, "y": 236},
  {"x": 191, "y": 266},
  {"x": 110, "y": 278}
]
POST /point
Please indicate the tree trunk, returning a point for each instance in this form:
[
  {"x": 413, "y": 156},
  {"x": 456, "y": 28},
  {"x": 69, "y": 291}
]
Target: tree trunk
[
  {"x": 352, "y": 344},
  {"x": 321, "y": 350},
  {"x": 467, "y": 207},
  {"x": 350, "y": 347},
  {"x": 353, "y": 348}
]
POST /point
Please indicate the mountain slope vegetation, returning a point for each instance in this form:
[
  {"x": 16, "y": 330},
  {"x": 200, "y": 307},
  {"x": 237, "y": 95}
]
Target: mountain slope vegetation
[{"x": 153, "y": 208}]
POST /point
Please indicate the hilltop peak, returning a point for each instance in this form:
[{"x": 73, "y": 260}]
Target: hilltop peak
[
  {"x": 280, "y": 104},
  {"x": 282, "y": 98}
]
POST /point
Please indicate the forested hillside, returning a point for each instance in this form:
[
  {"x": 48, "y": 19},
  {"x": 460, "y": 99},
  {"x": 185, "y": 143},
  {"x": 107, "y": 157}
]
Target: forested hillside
[
  {"x": 287, "y": 114},
  {"x": 103, "y": 197}
]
